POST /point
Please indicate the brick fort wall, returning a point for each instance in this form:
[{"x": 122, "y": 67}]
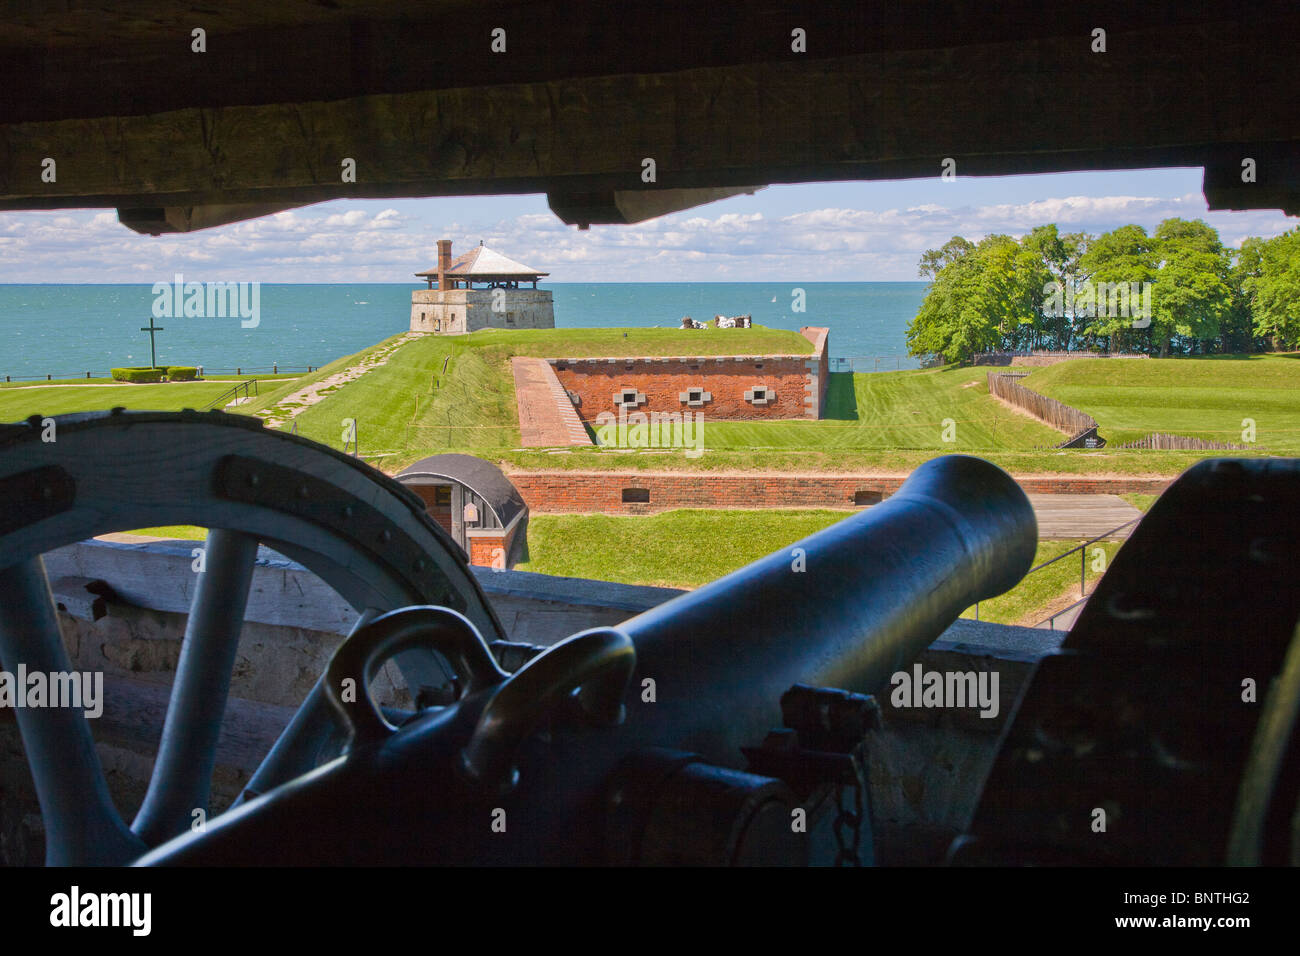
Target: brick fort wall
[
  {"x": 795, "y": 384},
  {"x": 560, "y": 492}
]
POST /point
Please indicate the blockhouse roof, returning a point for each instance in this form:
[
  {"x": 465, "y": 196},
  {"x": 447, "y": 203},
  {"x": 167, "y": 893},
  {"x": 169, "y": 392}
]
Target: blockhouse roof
[
  {"x": 484, "y": 263},
  {"x": 481, "y": 477}
]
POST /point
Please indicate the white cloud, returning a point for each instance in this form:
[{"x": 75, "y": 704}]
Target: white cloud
[{"x": 356, "y": 241}]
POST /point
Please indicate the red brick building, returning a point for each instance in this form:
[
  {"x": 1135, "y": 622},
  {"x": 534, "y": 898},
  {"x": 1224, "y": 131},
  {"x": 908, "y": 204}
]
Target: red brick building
[{"x": 721, "y": 387}]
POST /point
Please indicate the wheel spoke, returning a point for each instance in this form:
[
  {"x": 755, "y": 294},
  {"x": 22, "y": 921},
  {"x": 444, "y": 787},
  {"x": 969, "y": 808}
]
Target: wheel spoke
[
  {"x": 81, "y": 824},
  {"x": 182, "y": 773}
]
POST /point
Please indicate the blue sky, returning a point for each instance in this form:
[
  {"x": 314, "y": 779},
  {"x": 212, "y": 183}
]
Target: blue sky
[{"x": 804, "y": 233}]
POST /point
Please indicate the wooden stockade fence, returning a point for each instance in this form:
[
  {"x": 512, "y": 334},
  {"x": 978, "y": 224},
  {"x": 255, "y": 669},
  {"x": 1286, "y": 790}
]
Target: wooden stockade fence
[
  {"x": 1045, "y": 357},
  {"x": 1049, "y": 410},
  {"x": 1160, "y": 441}
]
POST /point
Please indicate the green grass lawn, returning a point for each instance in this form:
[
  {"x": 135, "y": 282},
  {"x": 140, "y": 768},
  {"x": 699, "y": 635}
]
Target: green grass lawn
[
  {"x": 182, "y": 532},
  {"x": 1203, "y": 398},
  {"x": 1141, "y": 502},
  {"x": 683, "y": 548},
  {"x": 1048, "y": 589},
  {"x": 690, "y": 547},
  {"x": 19, "y": 400},
  {"x": 409, "y": 407},
  {"x": 17, "y": 404},
  {"x": 895, "y": 410},
  {"x": 580, "y": 343},
  {"x": 456, "y": 393}
]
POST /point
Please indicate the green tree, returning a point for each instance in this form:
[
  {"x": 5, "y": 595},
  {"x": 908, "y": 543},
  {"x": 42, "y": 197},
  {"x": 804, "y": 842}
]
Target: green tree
[
  {"x": 1193, "y": 290},
  {"x": 1237, "y": 331},
  {"x": 1054, "y": 259},
  {"x": 1273, "y": 287},
  {"x": 979, "y": 294},
  {"x": 1125, "y": 257},
  {"x": 938, "y": 326}
]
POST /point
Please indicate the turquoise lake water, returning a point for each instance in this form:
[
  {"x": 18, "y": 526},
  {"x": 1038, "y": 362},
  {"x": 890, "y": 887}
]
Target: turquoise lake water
[{"x": 68, "y": 330}]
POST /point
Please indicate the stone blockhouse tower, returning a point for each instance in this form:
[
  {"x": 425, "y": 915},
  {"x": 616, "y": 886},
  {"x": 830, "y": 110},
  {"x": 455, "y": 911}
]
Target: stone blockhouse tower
[{"x": 481, "y": 289}]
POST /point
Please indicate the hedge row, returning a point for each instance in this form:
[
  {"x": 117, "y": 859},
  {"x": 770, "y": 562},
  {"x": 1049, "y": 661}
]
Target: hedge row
[{"x": 142, "y": 374}]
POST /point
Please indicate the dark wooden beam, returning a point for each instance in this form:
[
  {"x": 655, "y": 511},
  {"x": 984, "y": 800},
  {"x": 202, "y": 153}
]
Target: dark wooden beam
[
  {"x": 120, "y": 60},
  {"x": 1004, "y": 96}
]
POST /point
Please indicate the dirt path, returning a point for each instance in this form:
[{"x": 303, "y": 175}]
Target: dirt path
[
  {"x": 289, "y": 408},
  {"x": 1054, "y": 606}
]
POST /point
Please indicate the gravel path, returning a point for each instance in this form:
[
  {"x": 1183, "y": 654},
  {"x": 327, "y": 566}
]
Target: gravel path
[{"x": 290, "y": 407}]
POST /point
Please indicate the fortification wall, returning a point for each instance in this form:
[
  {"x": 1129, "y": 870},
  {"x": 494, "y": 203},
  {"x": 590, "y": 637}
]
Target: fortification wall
[
  {"x": 560, "y": 492},
  {"x": 457, "y": 311},
  {"x": 720, "y": 387}
]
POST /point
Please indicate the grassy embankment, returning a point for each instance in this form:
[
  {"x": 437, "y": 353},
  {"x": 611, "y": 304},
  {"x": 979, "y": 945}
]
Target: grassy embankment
[
  {"x": 882, "y": 423},
  {"x": 409, "y": 407},
  {"x": 887, "y": 422},
  {"x": 1200, "y": 398}
]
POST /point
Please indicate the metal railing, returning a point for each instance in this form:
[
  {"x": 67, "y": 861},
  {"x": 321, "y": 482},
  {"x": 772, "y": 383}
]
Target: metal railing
[
  {"x": 272, "y": 369},
  {"x": 51, "y": 377},
  {"x": 231, "y": 394},
  {"x": 239, "y": 370},
  {"x": 1083, "y": 570}
]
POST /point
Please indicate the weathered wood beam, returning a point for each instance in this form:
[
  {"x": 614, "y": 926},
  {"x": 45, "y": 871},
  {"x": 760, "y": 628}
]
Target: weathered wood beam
[
  {"x": 157, "y": 220},
  {"x": 89, "y": 59},
  {"x": 1033, "y": 106},
  {"x": 622, "y": 206}
]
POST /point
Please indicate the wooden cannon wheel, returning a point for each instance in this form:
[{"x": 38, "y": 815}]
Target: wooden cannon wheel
[{"x": 66, "y": 479}]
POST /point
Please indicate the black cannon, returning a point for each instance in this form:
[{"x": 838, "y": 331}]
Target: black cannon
[
  {"x": 726, "y": 726},
  {"x": 620, "y": 744}
]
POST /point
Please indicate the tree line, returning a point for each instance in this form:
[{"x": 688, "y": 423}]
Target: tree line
[{"x": 1178, "y": 290}]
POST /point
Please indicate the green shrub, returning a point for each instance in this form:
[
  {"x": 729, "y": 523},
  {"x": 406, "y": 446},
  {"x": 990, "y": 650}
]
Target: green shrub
[
  {"x": 137, "y": 374},
  {"x": 182, "y": 373}
]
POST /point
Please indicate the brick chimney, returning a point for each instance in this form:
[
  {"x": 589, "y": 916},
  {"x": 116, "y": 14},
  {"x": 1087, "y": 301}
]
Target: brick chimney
[{"x": 444, "y": 262}]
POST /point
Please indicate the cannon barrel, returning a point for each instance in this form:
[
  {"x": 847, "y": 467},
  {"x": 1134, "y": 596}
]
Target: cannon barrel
[{"x": 843, "y": 608}]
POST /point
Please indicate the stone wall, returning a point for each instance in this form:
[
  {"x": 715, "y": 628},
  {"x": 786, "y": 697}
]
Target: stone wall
[
  {"x": 926, "y": 766},
  {"x": 294, "y": 624},
  {"x": 457, "y": 311},
  {"x": 818, "y": 370}
]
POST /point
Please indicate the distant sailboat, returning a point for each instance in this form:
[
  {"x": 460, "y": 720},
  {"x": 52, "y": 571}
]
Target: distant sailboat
[{"x": 773, "y": 298}]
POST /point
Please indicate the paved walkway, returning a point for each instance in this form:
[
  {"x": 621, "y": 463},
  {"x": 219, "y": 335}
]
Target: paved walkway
[{"x": 547, "y": 419}]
